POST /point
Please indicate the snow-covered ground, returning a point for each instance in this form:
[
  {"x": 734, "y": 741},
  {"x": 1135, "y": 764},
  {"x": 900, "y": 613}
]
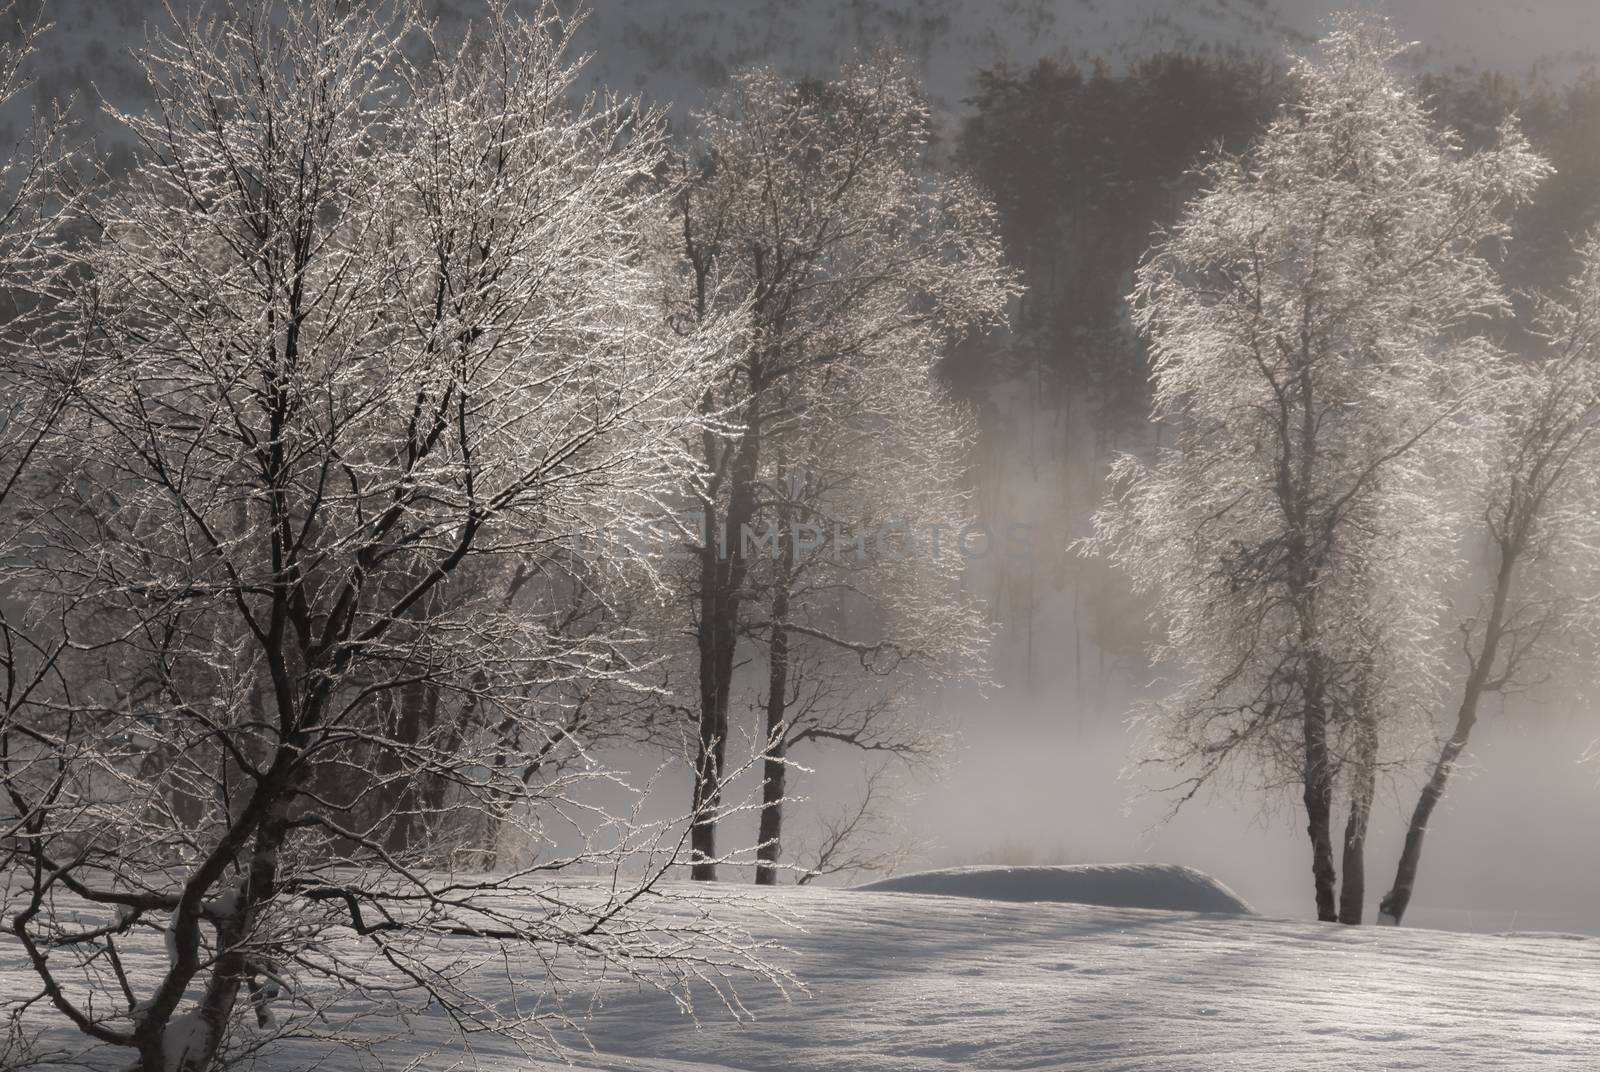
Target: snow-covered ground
[
  {"x": 903, "y": 981},
  {"x": 1164, "y": 886},
  {"x": 899, "y": 981}
]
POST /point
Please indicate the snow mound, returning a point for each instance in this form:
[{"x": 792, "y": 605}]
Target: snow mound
[{"x": 1162, "y": 886}]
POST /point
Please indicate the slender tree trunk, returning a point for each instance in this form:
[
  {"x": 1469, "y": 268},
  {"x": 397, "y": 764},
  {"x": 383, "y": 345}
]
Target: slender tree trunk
[
  {"x": 1353, "y": 888},
  {"x": 436, "y": 788},
  {"x": 468, "y": 720},
  {"x": 493, "y": 815},
  {"x": 1296, "y": 479},
  {"x": 1318, "y": 798},
  {"x": 722, "y": 577},
  {"x": 416, "y": 712},
  {"x": 1398, "y": 899},
  {"x": 774, "y": 767},
  {"x": 713, "y": 717},
  {"x": 772, "y": 796},
  {"x": 409, "y": 712},
  {"x": 1393, "y": 908},
  {"x": 1363, "y": 784}
]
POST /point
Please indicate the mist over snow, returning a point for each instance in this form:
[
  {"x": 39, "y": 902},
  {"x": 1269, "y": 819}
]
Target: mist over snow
[{"x": 1511, "y": 847}]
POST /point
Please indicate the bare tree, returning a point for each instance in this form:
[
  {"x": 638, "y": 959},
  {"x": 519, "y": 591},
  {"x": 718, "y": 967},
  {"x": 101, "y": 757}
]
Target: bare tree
[
  {"x": 809, "y": 203},
  {"x": 37, "y": 198},
  {"x": 364, "y": 351},
  {"x": 1537, "y": 513},
  {"x": 868, "y": 615},
  {"x": 858, "y": 837},
  {"x": 1310, "y": 327}
]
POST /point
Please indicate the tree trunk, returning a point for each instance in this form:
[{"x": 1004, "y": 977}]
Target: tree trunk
[
  {"x": 231, "y": 971},
  {"x": 415, "y": 711},
  {"x": 1318, "y": 798},
  {"x": 774, "y": 768},
  {"x": 713, "y": 717},
  {"x": 167, "y": 1044},
  {"x": 1398, "y": 899},
  {"x": 1319, "y": 815},
  {"x": 1363, "y": 783},
  {"x": 1393, "y": 908},
  {"x": 722, "y": 577}
]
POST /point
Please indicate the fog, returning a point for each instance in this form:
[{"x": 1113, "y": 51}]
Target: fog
[
  {"x": 1512, "y": 847},
  {"x": 1507, "y": 36}
]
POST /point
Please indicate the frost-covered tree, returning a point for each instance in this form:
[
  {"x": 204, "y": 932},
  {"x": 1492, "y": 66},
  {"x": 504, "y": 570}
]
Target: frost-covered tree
[
  {"x": 863, "y": 613},
  {"x": 37, "y": 195},
  {"x": 808, "y": 208},
  {"x": 1538, "y": 534},
  {"x": 1311, "y": 321},
  {"x": 364, "y": 350}
]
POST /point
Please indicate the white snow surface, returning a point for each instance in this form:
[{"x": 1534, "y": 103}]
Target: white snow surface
[
  {"x": 1165, "y": 886},
  {"x": 896, "y": 982}
]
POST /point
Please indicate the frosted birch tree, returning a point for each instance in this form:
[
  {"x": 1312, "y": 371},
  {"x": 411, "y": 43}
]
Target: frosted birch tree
[
  {"x": 863, "y": 615},
  {"x": 808, "y": 204},
  {"x": 1313, "y": 327},
  {"x": 37, "y": 196},
  {"x": 364, "y": 349},
  {"x": 1537, "y": 536}
]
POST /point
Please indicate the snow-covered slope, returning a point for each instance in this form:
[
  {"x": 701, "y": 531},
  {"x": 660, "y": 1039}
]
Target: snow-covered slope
[
  {"x": 674, "y": 50},
  {"x": 1165, "y": 886},
  {"x": 899, "y": 982}
]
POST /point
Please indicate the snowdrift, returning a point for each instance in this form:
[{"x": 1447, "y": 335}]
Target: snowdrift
[{"x": 1162, "y": 886}]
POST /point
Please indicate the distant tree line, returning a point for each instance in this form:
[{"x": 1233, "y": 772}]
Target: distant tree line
[{"x": 1086, "y": 164}]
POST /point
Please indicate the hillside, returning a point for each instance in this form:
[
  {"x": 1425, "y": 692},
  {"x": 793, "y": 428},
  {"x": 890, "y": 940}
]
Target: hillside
[{"x": 676, "y": 51}]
